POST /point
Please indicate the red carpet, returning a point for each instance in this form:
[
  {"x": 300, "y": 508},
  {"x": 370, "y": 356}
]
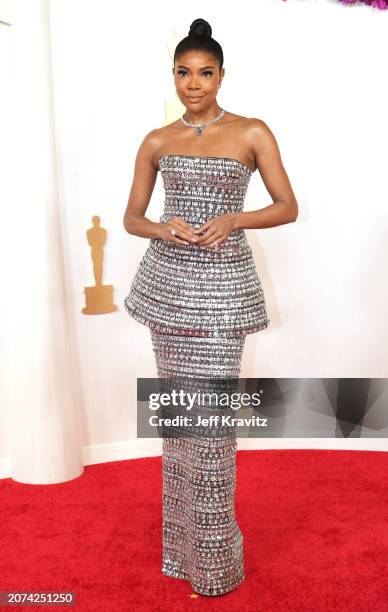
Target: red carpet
[{"x": 315, "y": 526}]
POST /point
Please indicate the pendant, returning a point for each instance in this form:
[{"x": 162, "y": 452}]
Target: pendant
[{"x": 198, "y": 130}]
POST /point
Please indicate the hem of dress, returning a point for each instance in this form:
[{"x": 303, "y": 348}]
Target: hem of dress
[
  {"x": 179, "y": 331},
  {"x": 210, "y": 591}
]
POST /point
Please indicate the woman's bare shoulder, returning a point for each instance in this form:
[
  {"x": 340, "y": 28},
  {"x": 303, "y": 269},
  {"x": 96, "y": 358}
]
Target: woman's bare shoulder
[
  {"x": 152, "y": 143},
  {"x": 155, "y": 139},
  {"x": 248, "y": 127},
  {"x": 258, "y": 134},
  {"x": 256, "y": 126}
]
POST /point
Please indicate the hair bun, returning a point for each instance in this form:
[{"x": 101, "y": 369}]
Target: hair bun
[{"x": 200, "y": 27}]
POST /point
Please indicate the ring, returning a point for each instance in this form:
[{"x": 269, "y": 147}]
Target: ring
[{"x": 173, "y": 231}]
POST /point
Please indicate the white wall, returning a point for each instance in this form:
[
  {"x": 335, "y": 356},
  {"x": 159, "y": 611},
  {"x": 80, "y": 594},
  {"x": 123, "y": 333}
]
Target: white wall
[{"x": 314, "y": 71}]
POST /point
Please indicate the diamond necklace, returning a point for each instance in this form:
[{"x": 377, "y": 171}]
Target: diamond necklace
[{"x": 199, "y": 126}]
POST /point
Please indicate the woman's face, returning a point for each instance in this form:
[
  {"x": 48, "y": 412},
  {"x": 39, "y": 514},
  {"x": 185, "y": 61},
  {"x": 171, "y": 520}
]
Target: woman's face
[{"x": 197, "y": 76}]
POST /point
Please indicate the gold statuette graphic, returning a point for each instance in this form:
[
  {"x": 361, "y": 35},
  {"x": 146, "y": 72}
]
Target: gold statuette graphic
[{"x": 99, "y": 299}]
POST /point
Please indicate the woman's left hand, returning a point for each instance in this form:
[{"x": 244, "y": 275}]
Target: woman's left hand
[{"x": 215, "y": 231}]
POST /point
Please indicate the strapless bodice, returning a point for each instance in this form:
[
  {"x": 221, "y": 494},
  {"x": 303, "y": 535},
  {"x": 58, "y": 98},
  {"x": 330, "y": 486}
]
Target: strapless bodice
[{"x": 200, "y": 188}]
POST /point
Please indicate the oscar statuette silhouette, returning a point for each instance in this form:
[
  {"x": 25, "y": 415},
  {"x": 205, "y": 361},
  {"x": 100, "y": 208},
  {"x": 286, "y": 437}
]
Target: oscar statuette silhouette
[{"x": 99, "y": 299}]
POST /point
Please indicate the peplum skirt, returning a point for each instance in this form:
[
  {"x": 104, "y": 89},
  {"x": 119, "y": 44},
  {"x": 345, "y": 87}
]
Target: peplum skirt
[{"x": 188, "y": 290}]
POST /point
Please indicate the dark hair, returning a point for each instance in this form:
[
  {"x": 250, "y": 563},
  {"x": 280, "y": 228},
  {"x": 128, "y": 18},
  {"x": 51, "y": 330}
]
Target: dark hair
[{"x": 200, "y": 38}]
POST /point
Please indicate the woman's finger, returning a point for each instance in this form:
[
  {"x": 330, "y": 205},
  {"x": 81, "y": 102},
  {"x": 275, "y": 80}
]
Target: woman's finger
[
  {"x": 180, "y": 235},
  {"x": 209, "y": 237}
]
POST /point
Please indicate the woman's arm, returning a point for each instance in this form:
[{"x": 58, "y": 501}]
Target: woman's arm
[
  {"x": 143, "y": 184},
  {"x": 135, "y": 222},
  {"x": 284, "y": 208}
]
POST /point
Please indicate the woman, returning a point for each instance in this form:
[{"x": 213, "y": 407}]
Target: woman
[{"x": 198, "y": 291}]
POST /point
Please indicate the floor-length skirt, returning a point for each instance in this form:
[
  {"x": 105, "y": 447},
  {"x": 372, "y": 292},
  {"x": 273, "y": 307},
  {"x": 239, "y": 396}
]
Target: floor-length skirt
[{"x": 202, "y": 542}]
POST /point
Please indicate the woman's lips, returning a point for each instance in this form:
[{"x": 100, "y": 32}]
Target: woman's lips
[{"x": 195, "y": 99}]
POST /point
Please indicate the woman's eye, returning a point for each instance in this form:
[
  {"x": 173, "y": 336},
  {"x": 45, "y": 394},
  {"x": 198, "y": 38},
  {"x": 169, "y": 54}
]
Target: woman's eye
[{"x": 183, "y": 72}]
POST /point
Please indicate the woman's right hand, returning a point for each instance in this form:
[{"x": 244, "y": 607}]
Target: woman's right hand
[{"x": 184, "y": 232}]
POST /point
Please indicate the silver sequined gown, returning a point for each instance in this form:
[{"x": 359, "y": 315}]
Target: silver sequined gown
[{"x": 199, "y": 304}]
